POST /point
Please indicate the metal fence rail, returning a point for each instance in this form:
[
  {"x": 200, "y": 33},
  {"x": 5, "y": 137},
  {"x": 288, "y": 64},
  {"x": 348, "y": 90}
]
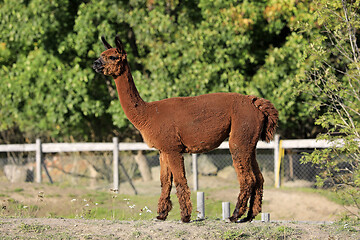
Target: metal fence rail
[{"x": 270, "y": 156}]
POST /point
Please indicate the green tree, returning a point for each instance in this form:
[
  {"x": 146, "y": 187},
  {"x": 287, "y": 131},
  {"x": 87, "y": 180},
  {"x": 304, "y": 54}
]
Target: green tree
[
  {"x": 47, "y": 89},
  {"x": 175, "y": 48},
  {"x": 229, "y": 46},
  {"x": 334, "y": 82}
]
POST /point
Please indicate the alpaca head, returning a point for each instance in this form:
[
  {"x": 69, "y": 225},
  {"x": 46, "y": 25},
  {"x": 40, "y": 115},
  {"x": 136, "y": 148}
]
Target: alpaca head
[{"x": 112, "y": 60}]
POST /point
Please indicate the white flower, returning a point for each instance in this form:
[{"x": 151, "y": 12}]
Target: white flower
[
  {"x": 25, "y": 207},
  {"x": 133, "y": 206},
  {"x": 86, "y": 205},
  {"x": 96, "y": 204},
  {"x": 146, "y": 209},
  {"x": 73, "y": 200}
]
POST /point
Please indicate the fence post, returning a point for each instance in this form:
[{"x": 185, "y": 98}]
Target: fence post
[
  {"x": 225, "y": 210},
  {"x": 200, "y": 206},
  {"x": 278, "y": 166},
  {"x": 38, "y": 159},
  {"x": 276, "y": 161},
  {"x": 265, "y": 217},
  {"x": 116, "y": 163},
  {"x": 195, "y": 171}
]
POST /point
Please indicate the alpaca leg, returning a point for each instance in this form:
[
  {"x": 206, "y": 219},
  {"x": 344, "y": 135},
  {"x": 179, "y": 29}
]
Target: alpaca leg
[
  {"x": 176, "y": 163},
  {"x": 242, "y": 164},
  {"x": 256, "y": 198},
  {"x": 166, "y": 177},
  {"x": 256, "y": 194}
]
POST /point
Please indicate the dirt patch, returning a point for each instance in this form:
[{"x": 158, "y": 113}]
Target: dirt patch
[{"x": 43, "y": 228}]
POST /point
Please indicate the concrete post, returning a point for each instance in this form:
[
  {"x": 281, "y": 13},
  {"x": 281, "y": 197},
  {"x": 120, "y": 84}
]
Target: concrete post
[
  {"x": 265, "y": 217},
  {"x": 225, "y": 210},
  {"x": 116, "y": 163},
  {"x": 38, "y": 161},
  {"x": 200, "y": 207}
]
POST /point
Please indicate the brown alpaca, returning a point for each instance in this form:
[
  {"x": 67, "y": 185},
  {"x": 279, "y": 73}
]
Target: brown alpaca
[{"x": 195, "y": 125}]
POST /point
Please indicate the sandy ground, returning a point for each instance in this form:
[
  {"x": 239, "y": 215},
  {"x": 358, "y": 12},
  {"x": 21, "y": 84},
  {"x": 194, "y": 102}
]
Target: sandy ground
[{"x": 296, "y": 205}]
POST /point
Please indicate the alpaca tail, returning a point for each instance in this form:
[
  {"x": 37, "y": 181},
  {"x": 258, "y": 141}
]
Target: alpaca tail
[{"x": 271, "y": 117}]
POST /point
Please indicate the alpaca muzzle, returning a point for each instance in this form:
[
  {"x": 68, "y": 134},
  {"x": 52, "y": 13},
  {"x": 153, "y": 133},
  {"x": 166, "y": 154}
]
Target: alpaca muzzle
[{"x": 98, "y": 65}]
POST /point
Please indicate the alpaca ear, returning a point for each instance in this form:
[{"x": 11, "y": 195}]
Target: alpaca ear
[
  {"x": 106, "y": 44},
  {"x": 119, "y": 45}
]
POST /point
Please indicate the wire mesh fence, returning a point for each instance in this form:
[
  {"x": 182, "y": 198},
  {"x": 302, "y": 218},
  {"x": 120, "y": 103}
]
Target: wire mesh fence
[
  {"x": 17, "y": 167},
  {"x": 293, "y": 170},
  {"x": 95, "y": 169}
]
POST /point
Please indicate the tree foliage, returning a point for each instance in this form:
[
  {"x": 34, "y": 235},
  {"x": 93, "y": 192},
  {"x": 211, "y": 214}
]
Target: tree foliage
[
  {"x": 334, "y": 81},
  {"x": 175, "y": 48}
]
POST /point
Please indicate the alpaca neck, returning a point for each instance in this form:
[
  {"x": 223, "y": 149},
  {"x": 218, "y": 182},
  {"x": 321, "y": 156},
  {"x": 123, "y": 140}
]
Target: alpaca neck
[{"x": 130, "y": 100}]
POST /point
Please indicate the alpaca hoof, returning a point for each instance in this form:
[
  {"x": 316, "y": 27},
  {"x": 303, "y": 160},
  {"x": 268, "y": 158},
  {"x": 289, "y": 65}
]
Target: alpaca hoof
[
  {"x": 185, "y": 219},
  {"x": 246, "y": 219},
  {"x": 162, "y": 218},
  {"x": 233, "y": 219}
]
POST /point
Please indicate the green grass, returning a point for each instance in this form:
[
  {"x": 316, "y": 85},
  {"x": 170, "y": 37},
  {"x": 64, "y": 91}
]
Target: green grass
[
  {"x": 232, "y": 235},
  {"x": 348, "y": 224},
  {"x": 18, "y": 209},
  {"x": 111, "y": 206},
  {"x": 271, "y": 232},
  {"x": 106, "y": 205},
  {"x": 35, "y": 228},
  {"x": 18, "y": 190}
]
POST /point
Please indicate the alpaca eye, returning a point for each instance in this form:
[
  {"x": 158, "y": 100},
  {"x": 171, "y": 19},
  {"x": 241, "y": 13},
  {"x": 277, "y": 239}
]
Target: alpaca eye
[{"x": 113, "y": 58}]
